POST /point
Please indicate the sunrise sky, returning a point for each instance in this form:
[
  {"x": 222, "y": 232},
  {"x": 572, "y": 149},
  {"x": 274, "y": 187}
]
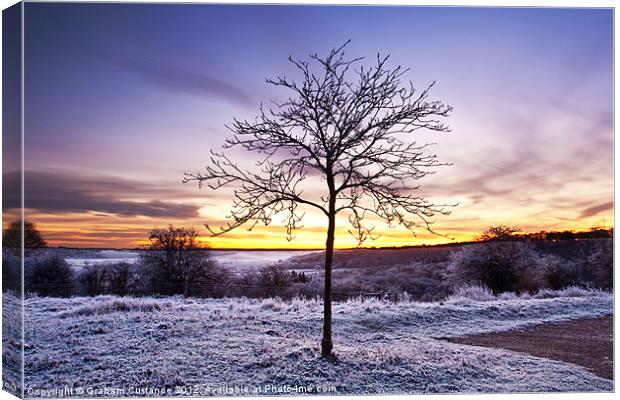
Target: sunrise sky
[{"x": 121, "y": 99}]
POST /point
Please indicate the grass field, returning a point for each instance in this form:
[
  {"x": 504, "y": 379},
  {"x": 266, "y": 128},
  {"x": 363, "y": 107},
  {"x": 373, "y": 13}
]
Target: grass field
[{"x": 178, "y": 346}]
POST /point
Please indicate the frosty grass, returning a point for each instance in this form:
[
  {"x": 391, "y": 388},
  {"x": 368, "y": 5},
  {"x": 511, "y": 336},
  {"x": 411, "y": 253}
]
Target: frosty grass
[{"x": 228, "y": 346}]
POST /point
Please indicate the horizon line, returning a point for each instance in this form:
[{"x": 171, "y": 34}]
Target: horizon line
[
  {"x": 270, "y": 248},
  {"x": 299, "y": 248}
]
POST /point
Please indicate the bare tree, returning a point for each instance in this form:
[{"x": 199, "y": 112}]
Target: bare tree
[
  {"x": 32, "y": 239},
  {"x": 499, "y": 233},
  {"x": 347, "y": 125},
  {"x": 173, "y": 259}
]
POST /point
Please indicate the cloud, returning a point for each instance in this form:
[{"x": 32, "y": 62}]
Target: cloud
[
  {"x": 533, "y": 160},
  {"x": 591, "y": 211},
  {"x": 180, "y": 80},
  {"x": 55, "y": 192}
]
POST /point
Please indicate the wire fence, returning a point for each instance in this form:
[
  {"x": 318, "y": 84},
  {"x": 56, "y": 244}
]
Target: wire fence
[{"x": 199, "y": 290}]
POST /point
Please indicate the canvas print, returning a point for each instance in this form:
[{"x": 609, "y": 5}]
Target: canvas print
[{"x": 233, "y": 199}]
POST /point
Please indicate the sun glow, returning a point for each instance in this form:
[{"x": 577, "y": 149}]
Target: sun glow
[
  {"x": 105, "y": 164},
  {"x": 104, "y": 231}
]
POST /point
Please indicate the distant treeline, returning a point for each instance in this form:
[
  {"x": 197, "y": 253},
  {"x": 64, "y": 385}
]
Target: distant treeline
[
  {"x": 510, "y": 233},
  {"x": 569, "y": 235},
  {"x": 503, "y": 259},
  {"x": 498, "y": 233}
]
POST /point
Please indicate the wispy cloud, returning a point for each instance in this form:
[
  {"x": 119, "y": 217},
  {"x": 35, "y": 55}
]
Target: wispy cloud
[
  {"x": 54, "y": 192},
  {"x": 591, "y": 211},
  {"x": 180, "y": 80}
]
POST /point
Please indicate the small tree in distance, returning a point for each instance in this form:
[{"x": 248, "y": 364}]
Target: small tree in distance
[
  {"x": 499, "y": 233},
  {"x": 347, "y": 126},
  {"x": 12, "y": 237},
  {"x": 174, "y": 261}
]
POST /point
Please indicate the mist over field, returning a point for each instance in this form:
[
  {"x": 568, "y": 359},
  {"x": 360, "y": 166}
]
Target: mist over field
[{"x": 237, "y": 260}]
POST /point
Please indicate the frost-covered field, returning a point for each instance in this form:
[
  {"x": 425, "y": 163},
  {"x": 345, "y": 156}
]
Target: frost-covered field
[
  {"x": 237, "y": 260},
  {"x": 140, "y": 346}
]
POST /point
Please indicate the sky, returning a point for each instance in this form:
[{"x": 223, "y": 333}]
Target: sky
[{"x": 121, "y": 99}]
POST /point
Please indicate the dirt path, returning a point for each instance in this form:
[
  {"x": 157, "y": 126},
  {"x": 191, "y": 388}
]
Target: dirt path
[{"x": 586, "y": 342}]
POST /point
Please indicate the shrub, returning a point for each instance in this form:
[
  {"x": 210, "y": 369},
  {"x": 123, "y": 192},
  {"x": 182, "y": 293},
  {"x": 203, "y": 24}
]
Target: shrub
[
  {"x": 499, "y": 233},
  {"x": 601, "y": 264},
  {"x": 49, "y": 276},
  {"x": 422, "y": 281},
  {"x": 300, "y": 277},
  {"x": 91, "y": 280},
  {"x": 557, "y": 272},
  {"x": 576, "y": 291},
  {"x": 13, "y": 235},
  {"x": 501, "y": 266},
  {"x": 508, "y": 296},
  {"x": 174, "y": 263},
  {"x": 195, "y": 275},
  {"x": 121, "y": 279},
  {"x": 11, "y": 272},
  {"x": 275, "y": 279},
  {"x": 244, "y": 285},
  {"x": 117, "y": 279},
  {"x": 471, "y": 292},
  {"x": 206, "y": 278},
  {"x": 309, "y": 290},
  {"x": 546, "y": 294},
  {"x": 103, "y": 305},
  {"x": 571, "y": 291}
]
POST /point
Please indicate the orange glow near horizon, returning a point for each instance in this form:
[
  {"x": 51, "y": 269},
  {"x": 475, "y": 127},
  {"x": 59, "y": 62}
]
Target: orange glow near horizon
[
  {"x": 87, "y": 230},
  {"x": 105, "y": 158}
]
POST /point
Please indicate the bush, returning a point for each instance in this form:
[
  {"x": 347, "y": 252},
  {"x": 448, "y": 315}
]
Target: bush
[
  {"x": 546, "y": 294},
  {"x": 196, "y": 274},
  {"x": 308, "y": 290},
  {"x": 13, "y": 235},
  {"x": 91, "y": 280},
  {"x": 174, "y": 263},
  {"x": 206, "y": 279},
  {"x": 116, "y": 279},
  {"x": 422, "y": 281},
  {"x": 471, "y": 292},
  {"x": 499, "y": 233},
  {"x": 501, "y": 266},
  {"x": 122, "y": 279},
  {"x": 11, "y": 272},
  {"x": 601, "y": 264},
  {"x": 576, "y": 291},
  {"x": 508, "y": 296},
  {"x": 571, "y": 291},
  {"x": 275, "y": 279},
  {"x": 300, "y": 277},
  {"x": 557, "y": 272},
  {"x": 103, "y": 305},
  {"x": 49, "y": 276}
]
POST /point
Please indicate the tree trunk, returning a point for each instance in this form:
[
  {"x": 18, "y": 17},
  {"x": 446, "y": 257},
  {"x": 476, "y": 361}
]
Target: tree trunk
[{"x": 327, "y": 344}]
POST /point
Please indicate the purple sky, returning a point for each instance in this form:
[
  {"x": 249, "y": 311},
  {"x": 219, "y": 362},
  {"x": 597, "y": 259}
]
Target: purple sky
[{"x": 121, "y": 99}]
